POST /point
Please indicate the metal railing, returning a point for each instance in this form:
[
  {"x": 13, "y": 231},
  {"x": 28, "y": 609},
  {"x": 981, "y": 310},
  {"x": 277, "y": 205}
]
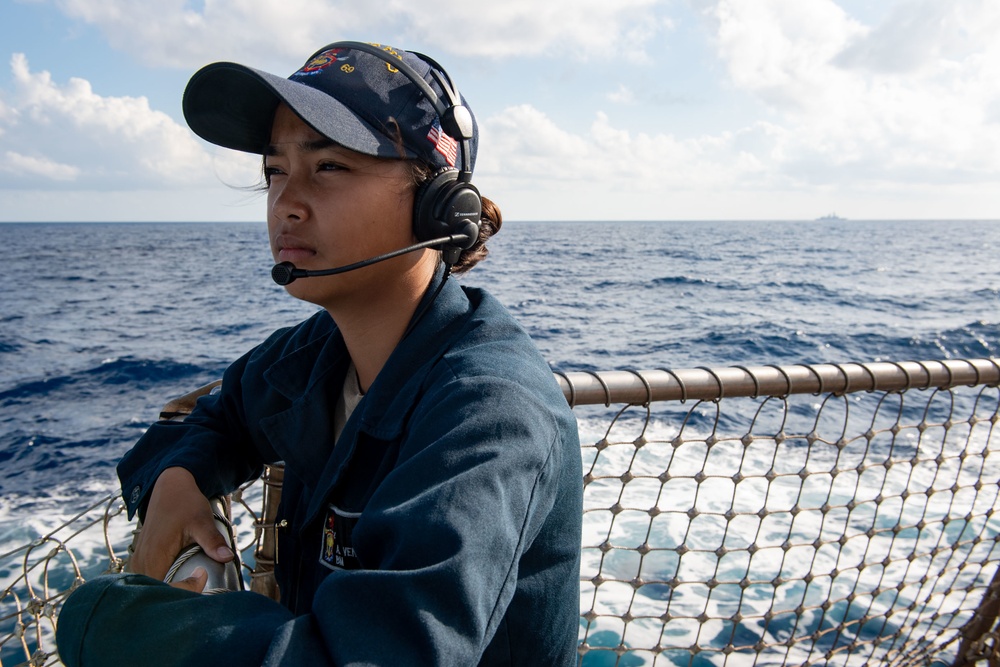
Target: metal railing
[
  {"x": 708, "y": 384},
  {"x": 796, "y": 515}
]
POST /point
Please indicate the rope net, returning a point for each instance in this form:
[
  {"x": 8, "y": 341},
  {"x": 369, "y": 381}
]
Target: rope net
[{"x": 808, "y": 515}]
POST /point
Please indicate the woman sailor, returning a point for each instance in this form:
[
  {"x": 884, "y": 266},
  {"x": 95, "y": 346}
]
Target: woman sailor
[{"x": 432, "y": 493}]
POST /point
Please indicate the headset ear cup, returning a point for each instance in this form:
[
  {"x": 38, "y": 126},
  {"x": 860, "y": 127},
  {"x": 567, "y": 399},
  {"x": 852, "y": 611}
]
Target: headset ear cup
[
  {"x": 425, "y": 227},
  {"x": 445, "y": 206}
]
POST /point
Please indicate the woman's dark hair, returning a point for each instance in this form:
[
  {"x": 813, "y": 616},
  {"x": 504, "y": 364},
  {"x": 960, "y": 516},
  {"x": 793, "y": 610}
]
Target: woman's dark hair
[{"x": 489, "y": 224}]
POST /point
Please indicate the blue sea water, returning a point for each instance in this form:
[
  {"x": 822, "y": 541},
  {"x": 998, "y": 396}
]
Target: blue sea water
[{"x": 102, "y": 323}]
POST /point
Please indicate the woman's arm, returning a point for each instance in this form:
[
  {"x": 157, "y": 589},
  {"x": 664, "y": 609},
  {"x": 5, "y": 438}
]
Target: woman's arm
[{"x": 159, "y": 479}]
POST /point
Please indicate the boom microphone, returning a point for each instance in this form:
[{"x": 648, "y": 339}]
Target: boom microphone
[{"x": 285, "y": 272}]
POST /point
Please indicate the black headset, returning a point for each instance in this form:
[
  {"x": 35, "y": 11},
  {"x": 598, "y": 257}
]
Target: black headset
[{"x": 447, "y": 204}]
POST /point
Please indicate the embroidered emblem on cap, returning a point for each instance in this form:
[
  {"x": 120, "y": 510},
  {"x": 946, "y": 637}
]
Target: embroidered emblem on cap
[
  {"x": 321, "y": 61},
  {"x": 443, "y": 143}
]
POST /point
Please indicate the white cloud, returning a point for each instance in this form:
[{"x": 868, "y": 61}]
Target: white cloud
[
  {"x": 67, "y": 132},
  {"x": 170, "y": 32},
  {"x": 522, "y": 143},
  {"x": 781, "y": 49},
  {"x": 911, "y": 100},
  {"x": 574, "y": 29},
  {"x": 15, "y": 163},
  {"x": 905, "y": 110},
  {"x": 623, "y": 95},
  {"x": 525, "y": 152},
  {"x": 921, "y": 33}
]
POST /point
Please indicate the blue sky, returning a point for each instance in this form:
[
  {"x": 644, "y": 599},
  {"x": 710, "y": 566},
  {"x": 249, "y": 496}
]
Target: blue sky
[{"x": 589, "y": 109}]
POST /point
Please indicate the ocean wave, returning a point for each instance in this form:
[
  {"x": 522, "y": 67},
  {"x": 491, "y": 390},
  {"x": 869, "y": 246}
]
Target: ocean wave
[
  {"x": 66, "y": 427},
  {"x": 7, "y": 347},
  {"x": 988, "y": 292},
  {"x": 138, "y": 373},
  {"x": 32, "y": 461},
  {"x": 667, "y": 281},
  {"x": 975, "y": 340}
]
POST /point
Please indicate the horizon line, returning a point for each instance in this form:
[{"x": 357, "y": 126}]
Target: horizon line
[{"x": 515, "y": 221}]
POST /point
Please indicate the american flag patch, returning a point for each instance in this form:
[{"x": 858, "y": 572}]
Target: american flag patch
[{"x": 443, "y": 144}]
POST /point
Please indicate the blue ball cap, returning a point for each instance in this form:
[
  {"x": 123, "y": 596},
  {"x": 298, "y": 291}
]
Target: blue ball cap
[{"x": 354, "y": 98}]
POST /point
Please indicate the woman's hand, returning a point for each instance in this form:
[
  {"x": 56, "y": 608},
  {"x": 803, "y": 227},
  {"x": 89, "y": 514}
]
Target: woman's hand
[{"x": 178, "y": 515}]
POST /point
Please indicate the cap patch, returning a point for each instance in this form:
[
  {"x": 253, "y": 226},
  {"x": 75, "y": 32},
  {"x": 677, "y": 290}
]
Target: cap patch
[
  {"x": 443, "y": 143},
  {"x": 323, "y": 60}
]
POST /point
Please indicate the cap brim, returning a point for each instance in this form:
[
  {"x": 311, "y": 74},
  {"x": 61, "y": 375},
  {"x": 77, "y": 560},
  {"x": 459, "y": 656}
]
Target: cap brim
[{"x": 233, "y": 106}]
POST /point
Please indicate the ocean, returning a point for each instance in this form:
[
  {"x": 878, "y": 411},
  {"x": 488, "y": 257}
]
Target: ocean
[{"x": 105, "y": 322}]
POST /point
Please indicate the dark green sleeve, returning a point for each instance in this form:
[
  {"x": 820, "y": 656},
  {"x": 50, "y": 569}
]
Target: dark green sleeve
[{"x": 132, "y": 619}]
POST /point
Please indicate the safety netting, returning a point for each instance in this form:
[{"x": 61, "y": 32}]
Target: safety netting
[{"x": 838, "y": 514}]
